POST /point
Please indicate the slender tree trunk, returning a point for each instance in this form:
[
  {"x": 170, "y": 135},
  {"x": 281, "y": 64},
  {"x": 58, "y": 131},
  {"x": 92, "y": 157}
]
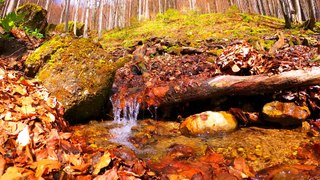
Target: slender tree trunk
[
  {"x": 47, "y": 4},
  {"x": 297, "y": 8},
  {"x": 85, "y": 30},
  {"x": 146, "y": 15},
  {"x": 18, "y": 4},
  {"x": 310, "y": 24},
  {"x": 100, "y": 19},
  {"x": 63, "y": 10},
  {"x": 66, "y": 23},
  {"x": 111, "y": 14},
  {"x": 286, "y": 13},
  {"x": 12, "y": 4},
  {"x": 139, "y": 10},
  {"x": 75, "y": 19},
  {"x": 160, "y": 8}
]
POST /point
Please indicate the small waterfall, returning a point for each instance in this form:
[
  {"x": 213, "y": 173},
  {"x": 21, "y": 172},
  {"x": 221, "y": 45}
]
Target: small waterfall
[
  {"x": 127, "y": 115},
  {"x": 127, "y": 118}
]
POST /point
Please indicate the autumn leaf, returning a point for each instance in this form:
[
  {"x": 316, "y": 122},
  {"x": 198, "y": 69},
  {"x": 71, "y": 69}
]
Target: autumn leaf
[
  {"x": 104, "y": 162},
  {"x": 45, "y": 166},
  {"x": 19, "y": 89},
  {"x": 160, "y": 91},
  {"x": 16, "y": 173},
  {"x": 24, "y": 137},
  {"x": 2, "y": 74},
  {"x": 108, "y": 175},
  {"x": 2, "y": 165}
]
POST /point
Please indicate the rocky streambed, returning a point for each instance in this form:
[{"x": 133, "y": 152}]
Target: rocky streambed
[{"x": 168, "y": 152}]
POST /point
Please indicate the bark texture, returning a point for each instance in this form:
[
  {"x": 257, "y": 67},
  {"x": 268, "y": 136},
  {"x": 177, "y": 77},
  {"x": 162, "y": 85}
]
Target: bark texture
[{"x": 243, "y": 85}]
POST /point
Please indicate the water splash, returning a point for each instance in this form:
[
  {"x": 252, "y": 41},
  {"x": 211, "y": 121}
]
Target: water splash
[
  {"x": 126, "y": 117},
  {"x": 128, "y": 114}
]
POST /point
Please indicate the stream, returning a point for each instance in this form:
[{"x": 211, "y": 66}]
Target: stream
[{"x": 151, "y": 139}]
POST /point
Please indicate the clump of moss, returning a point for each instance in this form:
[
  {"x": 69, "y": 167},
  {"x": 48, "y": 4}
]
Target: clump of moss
[
  {"x": 79, "y": 31},
  {"x": 35, "y": 17},
  {"x": 43, "y": 54},
  {"x": 215, "y": 52}
]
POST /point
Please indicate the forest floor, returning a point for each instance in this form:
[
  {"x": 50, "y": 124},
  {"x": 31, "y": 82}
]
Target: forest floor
[{"x": 173, "y": 49}]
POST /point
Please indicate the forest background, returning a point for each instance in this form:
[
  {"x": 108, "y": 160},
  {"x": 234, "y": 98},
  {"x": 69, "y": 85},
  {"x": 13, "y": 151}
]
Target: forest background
[{"x": 109, "y": 14}]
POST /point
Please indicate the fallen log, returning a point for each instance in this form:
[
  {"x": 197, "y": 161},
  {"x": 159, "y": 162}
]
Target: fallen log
[{"x": 229, "y": 85}]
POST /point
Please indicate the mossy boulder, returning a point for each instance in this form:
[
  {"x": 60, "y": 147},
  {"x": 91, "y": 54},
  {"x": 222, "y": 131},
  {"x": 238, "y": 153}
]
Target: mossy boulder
[
  {"x": 43, "y": 54},
  {"x": 78, "y": 72},
  {"x": 35, "y": 17},
  {"x": 79, "y": 31}
]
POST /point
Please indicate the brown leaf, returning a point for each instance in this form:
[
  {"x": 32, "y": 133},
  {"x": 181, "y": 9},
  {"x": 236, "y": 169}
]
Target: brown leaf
[
  {"x": 104, "y": 162},
  {"x": 2, "y": 165},
  {"x": 45, "y": 166},
  {"x": 108, "y": 175}
]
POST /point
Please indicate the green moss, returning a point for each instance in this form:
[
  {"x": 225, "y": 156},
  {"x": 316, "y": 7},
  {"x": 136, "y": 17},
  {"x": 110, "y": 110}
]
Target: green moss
[
  {"x": 215, "y": 52},
  {"x": 193, "y": 27},
  {"x": 35, "y": 17},
  {"x": 43, "y": 54},
  {"x": 174, "y": 50},
  {"x": 79, "y": 31},
  {"x": 268, "y": 44},
  {"x": 86, "y": 61}
]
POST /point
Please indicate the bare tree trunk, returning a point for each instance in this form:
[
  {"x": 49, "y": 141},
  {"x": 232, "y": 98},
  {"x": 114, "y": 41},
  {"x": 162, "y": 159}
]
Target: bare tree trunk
[
  {"x": 160, "y": 8},
  {"x": 12, "y": 4},
  {"x": 18, "y": 4},
  {"x": 146, "y": 15},
  {"x": 75, "y": 19},
  {"x": 47, "y": 4},
  {"x": 139, "y": 10},
  {"x": 100, "y": 19},
  {"x": 286, "y": 13},
  {"x": 66, "y": 23},
  {"x": 85, "y": 30},
  {"x": 310, "y": 24},
  {"x": 111, "y": 13},
  {"x": 63, "y": 10}
]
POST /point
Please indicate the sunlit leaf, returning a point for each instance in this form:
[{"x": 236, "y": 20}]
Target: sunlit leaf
[
  {"x": 24, "y": 137},
  {"x": 104, "y": 162},
  {"x": 45, "y": 166},
  {"x": 2, "y": 165}
]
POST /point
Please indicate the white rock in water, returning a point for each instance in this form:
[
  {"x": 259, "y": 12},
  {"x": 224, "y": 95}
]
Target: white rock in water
[{"x": 208, "y": 123}]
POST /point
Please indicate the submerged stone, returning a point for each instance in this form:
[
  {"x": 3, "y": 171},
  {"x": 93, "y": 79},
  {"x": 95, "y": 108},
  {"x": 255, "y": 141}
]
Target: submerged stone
[
  {"x": 209, "y": 123},
  {"x": 285, "y": 113},
  {"x": 78, "y": 72}
]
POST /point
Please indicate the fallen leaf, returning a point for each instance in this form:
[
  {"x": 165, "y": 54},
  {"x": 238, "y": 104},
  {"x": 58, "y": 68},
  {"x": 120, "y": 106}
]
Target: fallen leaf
[
  {"x": 46, "y": 166},
  {"x": 108, "y": 175},
  {"x": 160, "y": 91},
  {"x": 2, "y": 165},
  {"x": 24, "y": 137},
  {"x": 104, "y": 162}
]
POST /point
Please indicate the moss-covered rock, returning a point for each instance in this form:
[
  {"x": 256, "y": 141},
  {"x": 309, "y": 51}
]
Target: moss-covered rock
[
  {"x": 80, "y": 27},
  {"x": 35, "y": 17},
  {"x": 42, "y": 55},
  {"x": 78, "y": 72}
]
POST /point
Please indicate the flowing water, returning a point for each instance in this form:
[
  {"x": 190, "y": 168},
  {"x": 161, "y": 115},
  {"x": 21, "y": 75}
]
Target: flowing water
[
  {"x": 126, "y": 118},
  {"x": 151, "y": 139}
]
